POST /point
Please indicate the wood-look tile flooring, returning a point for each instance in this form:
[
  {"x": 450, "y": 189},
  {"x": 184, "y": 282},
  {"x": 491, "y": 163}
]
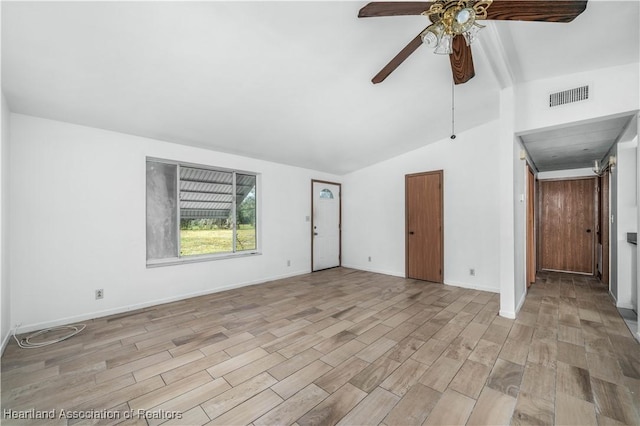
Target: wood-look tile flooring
[{"x": 348, "y": 347}]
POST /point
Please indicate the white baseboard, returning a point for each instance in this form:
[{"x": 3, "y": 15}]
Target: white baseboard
[
  {"x": 473, "y": 286},
  {"x": 374, "y": 270},
  {"x": 521, "y": 302},
  {"x": 447, "y": 282},
  {"x": 507, "y": 314},
  {"x": 119, "y": 310},
  {"x": 624, "y": 305},
  {"x": 5, "y": 341}
]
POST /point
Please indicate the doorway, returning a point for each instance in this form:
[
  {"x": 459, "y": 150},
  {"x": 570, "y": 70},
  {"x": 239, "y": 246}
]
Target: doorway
[
  {"x": 326, "y": 207},
  {"x": 424, "y": 226},
  {"x": 567, "y": 222}
]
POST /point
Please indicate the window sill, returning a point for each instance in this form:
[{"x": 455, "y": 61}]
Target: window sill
[{"x": 196, "y": 259}]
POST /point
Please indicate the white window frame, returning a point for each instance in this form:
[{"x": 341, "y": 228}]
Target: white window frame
[{"x": 210, "y": 256}]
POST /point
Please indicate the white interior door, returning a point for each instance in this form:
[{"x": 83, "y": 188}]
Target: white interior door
[{"x": 326, "y": 225}]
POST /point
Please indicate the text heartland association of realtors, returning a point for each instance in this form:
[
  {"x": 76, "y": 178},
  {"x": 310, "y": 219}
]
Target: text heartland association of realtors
[{"x": 34, "y": 414}]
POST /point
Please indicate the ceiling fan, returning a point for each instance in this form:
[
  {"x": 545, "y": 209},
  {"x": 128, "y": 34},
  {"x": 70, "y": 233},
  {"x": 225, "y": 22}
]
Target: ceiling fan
[{"x": 454, "y": 25}]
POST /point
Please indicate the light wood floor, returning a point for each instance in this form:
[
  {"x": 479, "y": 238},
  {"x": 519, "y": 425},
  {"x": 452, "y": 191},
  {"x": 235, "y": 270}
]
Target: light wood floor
[{"x": 344, "y": 346}]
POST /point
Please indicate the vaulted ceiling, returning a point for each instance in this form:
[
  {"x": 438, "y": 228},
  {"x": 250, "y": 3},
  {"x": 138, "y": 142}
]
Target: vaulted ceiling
[{"x": 282, "y": 81}]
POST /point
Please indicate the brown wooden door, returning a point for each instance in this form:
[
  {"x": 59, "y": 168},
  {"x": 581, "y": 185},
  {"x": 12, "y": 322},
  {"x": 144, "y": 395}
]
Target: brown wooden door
[
  {"x": 604, "y": 225},
  {"x": 531, "y": 244},
  {"x": 424, "y": 217},
  {"x": 567, "y": 225}
]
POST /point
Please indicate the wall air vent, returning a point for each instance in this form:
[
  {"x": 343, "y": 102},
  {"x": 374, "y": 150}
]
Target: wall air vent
[{"x": 569, "y": 96}]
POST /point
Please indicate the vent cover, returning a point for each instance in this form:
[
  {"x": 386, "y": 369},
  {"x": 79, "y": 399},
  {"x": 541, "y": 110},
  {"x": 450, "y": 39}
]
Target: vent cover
[{"x": 569, "y": 96}]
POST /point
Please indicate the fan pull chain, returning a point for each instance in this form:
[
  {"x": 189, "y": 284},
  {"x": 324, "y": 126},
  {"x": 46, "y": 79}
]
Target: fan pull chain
[{"x": 453, "y": 110}]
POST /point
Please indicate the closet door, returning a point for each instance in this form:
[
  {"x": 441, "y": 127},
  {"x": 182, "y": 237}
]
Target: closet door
[
  {"x": 567, "y": 225},
  {"x": 424, "y": 219}
]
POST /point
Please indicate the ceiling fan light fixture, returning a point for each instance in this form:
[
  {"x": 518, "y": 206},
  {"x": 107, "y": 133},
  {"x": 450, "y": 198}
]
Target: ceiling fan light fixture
[
  {"x": 429, "y": 39},
  {"x": 464, "y": 20},
  {"x": 432, "y": 35},
  {"x": 445, "y": 45},
  {"x": 451, "y": 18},
  {"x": 464, "y": 15},
  {"x": 472, "y": 33}
]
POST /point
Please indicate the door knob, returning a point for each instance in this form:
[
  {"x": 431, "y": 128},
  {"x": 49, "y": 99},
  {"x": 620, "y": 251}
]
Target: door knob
[{"x": 588, "y": 230}]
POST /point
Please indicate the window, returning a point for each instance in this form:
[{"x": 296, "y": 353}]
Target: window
[
  {"x": 196, "y": 212},
  {"x": 326, "y": 193}
]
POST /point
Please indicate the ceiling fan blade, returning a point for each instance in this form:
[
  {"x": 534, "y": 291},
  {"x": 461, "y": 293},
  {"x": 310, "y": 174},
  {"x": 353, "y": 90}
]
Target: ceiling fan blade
[
  {"x": 461, "y": 61},
  {"x": 394, "y": 8},
  {"x": 398, "y": 59},
  {"x": 536, "y": 10}
]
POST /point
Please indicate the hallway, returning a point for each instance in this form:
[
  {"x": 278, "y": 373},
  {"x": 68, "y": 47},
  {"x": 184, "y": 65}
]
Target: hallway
[{"x": 582, "y": 359}]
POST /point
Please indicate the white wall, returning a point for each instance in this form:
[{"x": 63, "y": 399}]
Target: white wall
[
  {"x": 626, "y": 217},
  {"x": 611, "y": 90},
  {"x": 5, "y": 293},
  {"x": 510, "y": 266},
  {"x": 521, "y": 200},
  {"x": 637, "y": 277},
  {"x": 374, "y": 209},
  {"x": 613, "y": 230},
  {"x": 77, "y": 206}
]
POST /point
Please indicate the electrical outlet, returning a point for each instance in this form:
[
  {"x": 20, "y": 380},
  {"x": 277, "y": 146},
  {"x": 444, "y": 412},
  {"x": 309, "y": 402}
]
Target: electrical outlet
[
  {"x": 99, "y": 293},
  {"x": 288, "y": 263},
  {"x": 472, "y": 272}
]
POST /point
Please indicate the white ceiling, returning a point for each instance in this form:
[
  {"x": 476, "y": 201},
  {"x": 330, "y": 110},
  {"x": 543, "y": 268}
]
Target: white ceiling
[
  {"x": 282, "y": 81},
  {"x": 575, "y": 146}
]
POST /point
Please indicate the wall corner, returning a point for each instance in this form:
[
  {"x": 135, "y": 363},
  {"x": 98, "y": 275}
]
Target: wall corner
[{"x": 506, "y": 204}]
